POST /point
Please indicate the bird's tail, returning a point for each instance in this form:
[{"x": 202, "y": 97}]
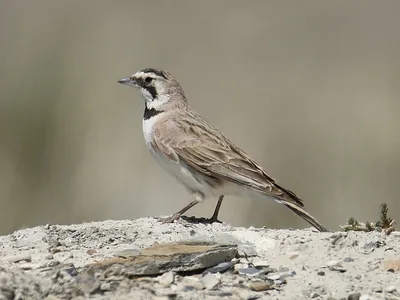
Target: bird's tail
[{"x": 305, "y": 215}]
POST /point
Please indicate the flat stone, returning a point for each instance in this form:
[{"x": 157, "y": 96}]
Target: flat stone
[{"x": 178, "y": 257}]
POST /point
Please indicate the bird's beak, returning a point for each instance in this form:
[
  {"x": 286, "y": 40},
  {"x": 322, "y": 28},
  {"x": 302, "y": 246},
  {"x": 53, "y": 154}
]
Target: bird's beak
[{"x": 127, "y": 81}]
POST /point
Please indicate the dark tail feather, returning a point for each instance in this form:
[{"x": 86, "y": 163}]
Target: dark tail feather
[{"x": 305, "y": 215}]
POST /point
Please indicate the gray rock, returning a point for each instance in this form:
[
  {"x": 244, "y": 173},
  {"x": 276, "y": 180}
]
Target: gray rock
[{"x": 162, "y": 258}]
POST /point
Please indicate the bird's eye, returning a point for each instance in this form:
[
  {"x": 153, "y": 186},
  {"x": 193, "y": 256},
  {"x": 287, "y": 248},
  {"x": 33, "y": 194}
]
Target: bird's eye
[{"x": 148, "y": 79}]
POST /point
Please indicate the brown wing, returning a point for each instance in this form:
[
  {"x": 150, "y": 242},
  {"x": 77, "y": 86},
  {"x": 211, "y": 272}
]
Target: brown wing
[{"x": 201, "y": 146}]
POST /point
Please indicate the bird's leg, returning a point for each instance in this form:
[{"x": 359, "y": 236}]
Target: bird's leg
[
  {"x": 178, "y": 214},
  {"x": 214, "y": 217}
]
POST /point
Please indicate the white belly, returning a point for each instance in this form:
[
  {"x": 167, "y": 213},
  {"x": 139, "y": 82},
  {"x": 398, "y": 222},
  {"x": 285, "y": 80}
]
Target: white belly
[{"x": 191, "y": 179}]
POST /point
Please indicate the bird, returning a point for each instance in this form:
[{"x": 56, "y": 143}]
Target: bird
[{"x": 197, "y": 154}]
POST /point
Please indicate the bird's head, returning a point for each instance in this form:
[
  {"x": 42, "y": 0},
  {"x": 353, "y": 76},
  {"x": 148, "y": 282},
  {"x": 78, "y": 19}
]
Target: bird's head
[{"x": 157, "y": 87}]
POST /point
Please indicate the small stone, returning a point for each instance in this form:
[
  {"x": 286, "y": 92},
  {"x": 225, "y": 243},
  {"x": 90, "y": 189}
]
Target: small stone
[
  {"x": 210, "y": 281},
  {"x": 293, "y": 255},
  {"x": 321, "y": 273},
  {"x": 257, "y": 262},
  {"x": 391, "y": 289},
  {"x": 274, "y": 276},
  {"x": 20, "y": 258},
  {"x": 91, "y": 251},
  {"x": 259, "y": 286},
  {"x": 314, "y": 295},
  {"x": 166, "y": 279},
  {"x": 335, "y": 265},
  {"x": 237, "y": 267},
  {"x": 355, "y": 296},
  {"x": 348, "y": 259},
  {"x": 365, "y": 297},
  {"x": 49, "y": 256},
  {"x": 249, "y": 271},
  {"x": 378, "y": 289}
]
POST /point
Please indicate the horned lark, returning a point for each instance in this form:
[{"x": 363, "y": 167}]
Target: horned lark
[{"x": 197, "y": 153}]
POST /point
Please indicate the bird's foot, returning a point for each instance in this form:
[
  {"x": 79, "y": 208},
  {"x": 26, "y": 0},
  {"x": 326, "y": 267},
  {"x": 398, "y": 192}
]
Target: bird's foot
[{"x": 170, "y": 219}]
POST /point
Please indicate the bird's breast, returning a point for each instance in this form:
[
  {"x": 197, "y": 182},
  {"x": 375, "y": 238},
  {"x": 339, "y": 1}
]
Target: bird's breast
[{"x": 148, "y": 129}]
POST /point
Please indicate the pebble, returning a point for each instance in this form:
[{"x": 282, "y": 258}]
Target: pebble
[
  {"x": 210, "y": 281},
  {"x": 166, "y": 279},
  {"x": 314, "y": 295},
  {"x": 249, "y": 271},
  {"x": 274, "y": 277},
  {"x": 260, "y": 286},
  {"x": 321, "y": 273},
  {"x": 348, "y": 259},
  {"x": 335, "y": 265},
  {"x": 355, "y": 296},
  {"x": 237, "y": 267},
  {"x": 293, "y": 255},
  {"x": 258, "y": 262},
  {"x": 365, "y": 297}
]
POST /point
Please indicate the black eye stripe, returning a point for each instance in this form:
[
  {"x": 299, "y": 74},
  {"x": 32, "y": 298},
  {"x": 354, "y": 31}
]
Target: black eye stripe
[{"x": 152, "y": 90}]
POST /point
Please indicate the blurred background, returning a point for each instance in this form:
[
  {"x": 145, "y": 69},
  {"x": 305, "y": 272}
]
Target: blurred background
[{"x": 310, "y": 89}]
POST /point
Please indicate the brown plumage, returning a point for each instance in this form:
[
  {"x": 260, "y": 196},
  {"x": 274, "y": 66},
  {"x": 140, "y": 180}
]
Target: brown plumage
[{"x": 197, "y": 153}]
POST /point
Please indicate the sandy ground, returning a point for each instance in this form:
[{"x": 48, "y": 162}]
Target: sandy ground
[{"x": 50, "y": 262}]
